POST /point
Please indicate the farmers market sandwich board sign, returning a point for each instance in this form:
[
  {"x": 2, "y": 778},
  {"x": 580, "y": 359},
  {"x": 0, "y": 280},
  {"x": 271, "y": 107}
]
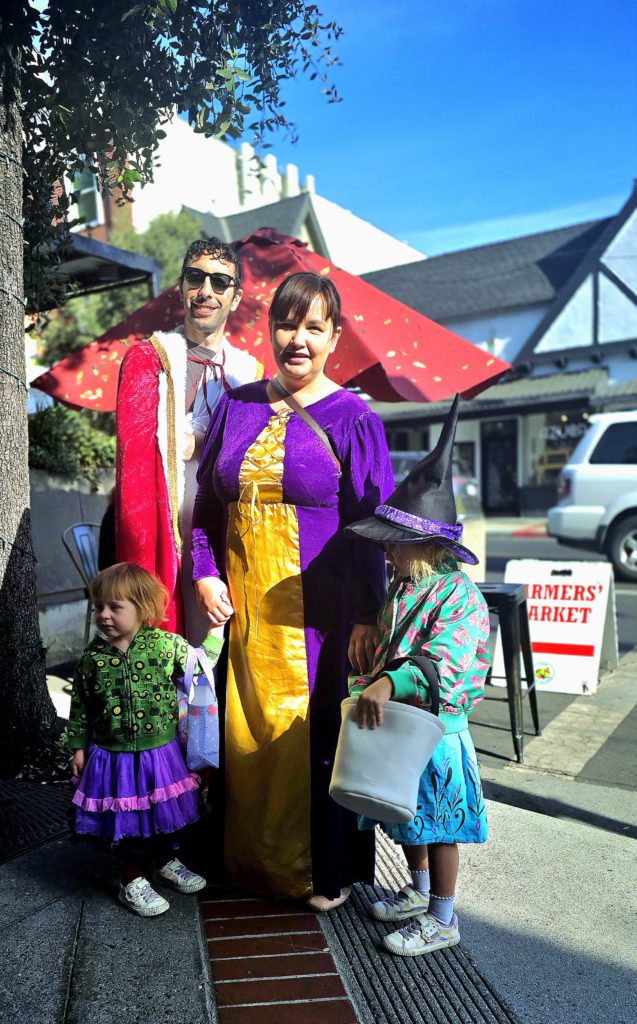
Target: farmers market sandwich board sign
[{"x": 572, "y": 622}]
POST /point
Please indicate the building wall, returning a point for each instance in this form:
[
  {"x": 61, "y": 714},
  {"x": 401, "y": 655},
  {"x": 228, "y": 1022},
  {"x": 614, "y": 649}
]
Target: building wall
[
  {"x": 503, "y": 334},
  {"x": 192, "y": 169},
  {"x": 357, "y": 245},
  {"x": 211, "y": 176}
]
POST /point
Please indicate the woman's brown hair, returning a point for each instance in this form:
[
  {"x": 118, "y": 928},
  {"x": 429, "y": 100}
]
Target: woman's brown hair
[
  {"x": 127, "y": 581},
  {"x": 296, "y": 293}
]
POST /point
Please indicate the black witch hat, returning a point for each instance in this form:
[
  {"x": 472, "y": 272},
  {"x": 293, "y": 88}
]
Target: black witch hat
[{"x": 423, "y": 506}]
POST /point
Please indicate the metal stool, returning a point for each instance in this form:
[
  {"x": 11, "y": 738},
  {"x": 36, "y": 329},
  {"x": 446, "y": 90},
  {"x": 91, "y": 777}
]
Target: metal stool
[{"x": 508, "y": 600}]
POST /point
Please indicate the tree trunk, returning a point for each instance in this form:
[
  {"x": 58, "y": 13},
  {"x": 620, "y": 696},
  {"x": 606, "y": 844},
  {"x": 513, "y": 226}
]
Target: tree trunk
[{"x": 27, "y": 713}]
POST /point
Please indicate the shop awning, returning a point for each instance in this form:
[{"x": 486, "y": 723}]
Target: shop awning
[
  {"x": 526, "y": 394},
  {"x": 91, "y": 266}
]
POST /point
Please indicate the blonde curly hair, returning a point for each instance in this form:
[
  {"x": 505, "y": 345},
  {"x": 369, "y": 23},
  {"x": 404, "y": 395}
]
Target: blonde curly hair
[
  {"x": 127, "y": 581},
  {"x": 425, "y": 558}
]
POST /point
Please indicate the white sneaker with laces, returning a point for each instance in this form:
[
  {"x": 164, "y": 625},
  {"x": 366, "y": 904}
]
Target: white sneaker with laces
[
  {"x": 422, "y": 935},
  {"x": 181, "y": 878},
  {"x": 140, "y": 897},
  {"x": 400, "y": 906}
]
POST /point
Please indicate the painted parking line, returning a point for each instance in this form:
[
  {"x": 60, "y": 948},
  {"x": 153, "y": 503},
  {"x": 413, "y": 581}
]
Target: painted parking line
[{"x": 532, "y": 530}]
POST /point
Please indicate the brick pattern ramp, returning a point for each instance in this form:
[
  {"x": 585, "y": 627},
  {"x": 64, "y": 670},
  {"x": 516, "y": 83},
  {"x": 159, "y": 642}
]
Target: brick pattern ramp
[
  {"x": 271, "y": 963},
  {"x": 276, "y": 963}
]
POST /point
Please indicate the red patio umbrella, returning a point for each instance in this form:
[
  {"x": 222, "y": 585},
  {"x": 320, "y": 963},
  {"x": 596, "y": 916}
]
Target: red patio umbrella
[{"x": 389, "y": 350}]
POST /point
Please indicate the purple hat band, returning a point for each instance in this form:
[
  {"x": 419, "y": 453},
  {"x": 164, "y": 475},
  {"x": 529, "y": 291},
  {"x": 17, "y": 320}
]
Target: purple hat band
[{"x": 431, "y": 526}]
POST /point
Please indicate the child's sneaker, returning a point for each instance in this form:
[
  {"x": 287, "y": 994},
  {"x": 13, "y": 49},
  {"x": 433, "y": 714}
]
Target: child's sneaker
[
  {"x": 422, "y": 935},
  {"x": 401, "y": 905},
  {"x": 140, "y": 897},
  {"x": 180, "y": 877}
]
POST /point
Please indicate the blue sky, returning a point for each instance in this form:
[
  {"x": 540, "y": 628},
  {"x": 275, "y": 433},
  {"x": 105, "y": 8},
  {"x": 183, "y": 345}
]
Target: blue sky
[{"x": 468, "y": 121}]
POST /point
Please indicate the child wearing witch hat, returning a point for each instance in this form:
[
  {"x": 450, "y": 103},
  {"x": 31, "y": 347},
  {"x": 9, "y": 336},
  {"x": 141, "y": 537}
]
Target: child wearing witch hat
[{"x": 432, "y": 610}]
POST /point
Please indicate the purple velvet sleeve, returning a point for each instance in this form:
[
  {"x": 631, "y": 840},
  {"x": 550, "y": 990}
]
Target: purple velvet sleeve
[
  {"x": 368, "y": 479},
  {"x": 209, "y": 514}
]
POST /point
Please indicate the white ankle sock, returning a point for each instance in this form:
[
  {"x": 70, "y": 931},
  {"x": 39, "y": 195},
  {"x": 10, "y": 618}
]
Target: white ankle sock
[
  {"x": 420, "y": 881},
  {"x": 441, "y": 907}
]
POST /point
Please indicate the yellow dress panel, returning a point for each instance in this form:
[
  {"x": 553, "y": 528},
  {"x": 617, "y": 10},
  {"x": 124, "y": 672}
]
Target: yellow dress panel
[{"x": 267, "y": 722}]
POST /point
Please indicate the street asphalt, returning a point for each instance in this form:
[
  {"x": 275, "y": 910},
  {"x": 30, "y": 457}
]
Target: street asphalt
[{"x": 547, "y": 907}]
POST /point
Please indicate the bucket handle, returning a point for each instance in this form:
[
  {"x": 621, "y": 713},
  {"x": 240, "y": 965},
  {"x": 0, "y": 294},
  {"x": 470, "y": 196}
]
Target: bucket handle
[{"x": 429, "y": 671}]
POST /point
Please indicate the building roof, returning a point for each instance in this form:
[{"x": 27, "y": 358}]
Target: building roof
[
  {"x": 591, "y": 267},
  {"x": 525, "y": 271},
  {"x": 523, "y": 394},
  {"x": 287, "y": 216}
]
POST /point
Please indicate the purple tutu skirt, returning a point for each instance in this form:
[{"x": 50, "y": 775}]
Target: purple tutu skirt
[{"x": 136, "y": 795}]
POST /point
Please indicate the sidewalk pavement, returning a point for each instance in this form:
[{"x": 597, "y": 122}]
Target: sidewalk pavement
[{"x": 546, "y": 908}]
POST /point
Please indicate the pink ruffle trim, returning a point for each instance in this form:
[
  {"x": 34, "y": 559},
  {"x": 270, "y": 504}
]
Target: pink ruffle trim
[{"x": 134, "y": 803}]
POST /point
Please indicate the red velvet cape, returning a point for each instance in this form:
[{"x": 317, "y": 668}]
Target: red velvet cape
[{"x": 144, "y": 523}]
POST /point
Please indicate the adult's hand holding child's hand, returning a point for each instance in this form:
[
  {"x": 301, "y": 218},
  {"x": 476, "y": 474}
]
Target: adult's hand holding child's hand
[
  {"x": 214, "y": 599},
  {"x": 369, "y": 708},
  {"x": 362, "y": 646}
]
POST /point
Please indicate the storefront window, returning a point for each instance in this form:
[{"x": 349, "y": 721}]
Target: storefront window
[
  {"x": 499, "y": 462},
  {"x": 399, "y": 440},
  {"x": 464, "y": 453},
  {"x": 554, "y": 443}
]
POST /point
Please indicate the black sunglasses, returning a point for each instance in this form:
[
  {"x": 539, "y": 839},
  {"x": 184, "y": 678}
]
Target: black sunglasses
[{"x": 219, "y": 283}]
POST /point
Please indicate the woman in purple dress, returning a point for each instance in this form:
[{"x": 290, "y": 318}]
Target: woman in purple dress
[{"x": 275, "y": 493}]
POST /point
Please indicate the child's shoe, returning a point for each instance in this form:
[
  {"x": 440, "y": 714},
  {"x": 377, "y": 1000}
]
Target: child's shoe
[
  {"x": 400, "y": 905},
  {"x": 181, "y": 878},
  {"x": 140, "y": 897},
  {"x": 422, "y": 935}
]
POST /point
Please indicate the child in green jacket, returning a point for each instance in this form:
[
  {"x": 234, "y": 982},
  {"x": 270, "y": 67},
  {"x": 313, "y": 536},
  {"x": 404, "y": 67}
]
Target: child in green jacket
[{"x": 132, "y": 784}]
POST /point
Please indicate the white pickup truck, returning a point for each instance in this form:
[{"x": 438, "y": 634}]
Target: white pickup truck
[{"x": 597, "y": 493}]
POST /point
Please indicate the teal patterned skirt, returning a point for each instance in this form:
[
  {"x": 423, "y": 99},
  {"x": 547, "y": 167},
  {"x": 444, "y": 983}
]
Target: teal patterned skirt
[{"x": 451, "y": 806}]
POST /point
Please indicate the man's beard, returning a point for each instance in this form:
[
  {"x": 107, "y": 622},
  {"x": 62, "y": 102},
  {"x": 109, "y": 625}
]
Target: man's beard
[{"x": 207, "y": 324}]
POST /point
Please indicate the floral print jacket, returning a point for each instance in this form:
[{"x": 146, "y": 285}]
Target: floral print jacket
[
  {"x": 445, "y": 619},
  {"x": 128, "y": 701}
]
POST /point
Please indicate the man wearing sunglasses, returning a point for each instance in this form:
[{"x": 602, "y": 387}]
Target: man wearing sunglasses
[{"x": 168, "y": 390}]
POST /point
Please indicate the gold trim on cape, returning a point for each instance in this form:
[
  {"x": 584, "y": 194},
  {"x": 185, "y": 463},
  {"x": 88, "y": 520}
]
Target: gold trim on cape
[{"x": 173, "y": 483}]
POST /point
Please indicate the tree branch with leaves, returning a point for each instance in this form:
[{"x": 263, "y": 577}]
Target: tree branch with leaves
[{"x": 87, "y": 85}]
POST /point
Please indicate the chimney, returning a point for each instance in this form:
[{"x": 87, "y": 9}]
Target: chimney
[{"x": 291, "y": 182}]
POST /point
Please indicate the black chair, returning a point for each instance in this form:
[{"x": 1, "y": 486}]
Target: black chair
[
  {"x": 81, "y": 541},
  {"x": 508, "y": 601}
]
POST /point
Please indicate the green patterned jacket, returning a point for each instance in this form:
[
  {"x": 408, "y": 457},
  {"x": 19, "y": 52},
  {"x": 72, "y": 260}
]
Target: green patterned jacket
[
  {"x": 444, "y": 618},
  {"x": 128, "y": 701}
]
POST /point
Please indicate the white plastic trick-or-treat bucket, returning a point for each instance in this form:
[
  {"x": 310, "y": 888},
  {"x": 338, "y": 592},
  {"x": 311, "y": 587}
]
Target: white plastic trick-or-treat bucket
[{"x": 377, "y": 771}]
